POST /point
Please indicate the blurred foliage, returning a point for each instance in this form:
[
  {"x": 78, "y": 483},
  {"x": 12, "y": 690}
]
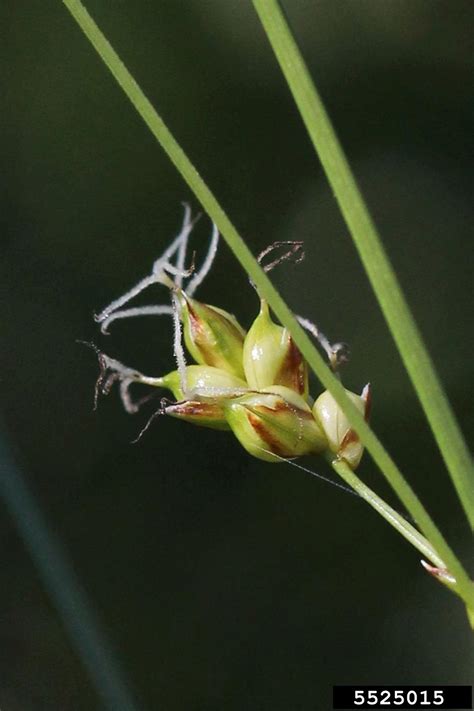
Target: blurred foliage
[{"x": 207, "y": 567}]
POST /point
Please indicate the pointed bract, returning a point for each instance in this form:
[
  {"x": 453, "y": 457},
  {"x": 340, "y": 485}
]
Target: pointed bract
[
  {"x": 206, "y": 388},
  {"x": 204, "y": 381},
  {"x": 271, "y": 356},
  {"x": 212, "y": 336},
  {"x": 204, "y": 414},
  {"x": 342, "y": 439},
  {"x": 277, "y": 421}
]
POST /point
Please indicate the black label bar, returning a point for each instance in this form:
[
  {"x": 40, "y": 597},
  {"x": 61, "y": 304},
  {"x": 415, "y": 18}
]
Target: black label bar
[{"x": 402, "y": 698}]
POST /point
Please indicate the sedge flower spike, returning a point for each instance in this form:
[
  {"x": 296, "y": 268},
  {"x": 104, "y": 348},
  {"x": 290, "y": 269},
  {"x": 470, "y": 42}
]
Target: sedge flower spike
[
  {"x": 197, "y": 412},
  {"x": 342, "y": 440},
  {"x": 202, "y": 381},
  {"x": 271, "y": 356},
  {"x": 198, "y": 404},
  {"x": 254, "y": 384},
  {"x": 275, "y": 421},
  {"x": 212, "y": 336}
]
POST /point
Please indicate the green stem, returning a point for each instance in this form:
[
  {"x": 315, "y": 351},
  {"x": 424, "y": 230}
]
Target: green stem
[
  {"x": 374, "y": 258},
  {"x": 395, "y": 519},
  {"x": 268, "y": 291}
]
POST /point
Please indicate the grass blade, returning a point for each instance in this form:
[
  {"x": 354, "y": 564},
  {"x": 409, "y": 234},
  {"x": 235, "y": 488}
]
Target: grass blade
[
  {"x": 187, "y": 170},
  {"x": 384, "y": 282}
]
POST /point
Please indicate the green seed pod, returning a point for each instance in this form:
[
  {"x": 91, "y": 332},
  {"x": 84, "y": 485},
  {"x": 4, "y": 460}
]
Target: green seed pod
[
  {"x": 271, "y": 356},
  {"x": 277, "y": 421},
  {"x": 208, "y": 386},
  {"x": 206, "y": 381},
  {"x": 212, "y": 336},
  {"x": 343, "y": 441}
]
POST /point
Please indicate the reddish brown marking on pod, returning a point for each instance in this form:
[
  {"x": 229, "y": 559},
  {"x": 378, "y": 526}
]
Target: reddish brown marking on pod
[
  {"x": 296, "y": 366},
  {"x": 199, "y": 337},
  {"x": 279, "y": 406},
  {"x": 349, "y": 438},
  {"x": 265, "y": 435},
  {"x": 195, "y": 408},
  {"x": 286, "y": 407},
  {"x": 293, "y": 370},
  {"x": 194, "y": 321}
]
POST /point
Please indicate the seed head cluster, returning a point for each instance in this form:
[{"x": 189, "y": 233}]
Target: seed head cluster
[{"x": 253, "y": 383}]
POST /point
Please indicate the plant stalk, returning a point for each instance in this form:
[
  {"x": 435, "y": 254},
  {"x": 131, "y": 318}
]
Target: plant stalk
[
  {"x": 382, "y": 277},
  {"x": 404, "y": 527},
  {"x": 235, "y": 242}
]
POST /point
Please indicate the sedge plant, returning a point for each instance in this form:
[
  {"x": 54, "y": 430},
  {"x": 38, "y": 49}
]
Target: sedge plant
[{"x": 443, "y": 563}]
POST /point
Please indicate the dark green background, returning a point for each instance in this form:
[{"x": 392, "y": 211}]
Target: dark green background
[{"x": 224, "y": 582}]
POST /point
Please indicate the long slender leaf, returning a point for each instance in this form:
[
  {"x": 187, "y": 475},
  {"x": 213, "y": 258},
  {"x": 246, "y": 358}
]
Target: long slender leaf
[
  {"x": 189, "y": 173},
  {"x": 384, "y": 282}
]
